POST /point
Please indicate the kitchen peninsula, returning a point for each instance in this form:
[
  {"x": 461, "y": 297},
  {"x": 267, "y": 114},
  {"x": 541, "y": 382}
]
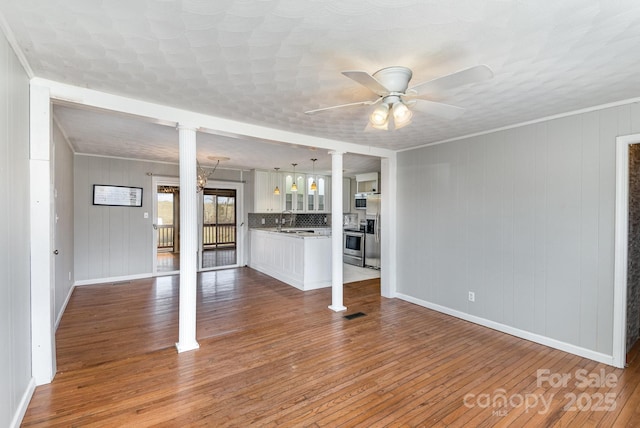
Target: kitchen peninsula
[{"x": 300, "y": 257}]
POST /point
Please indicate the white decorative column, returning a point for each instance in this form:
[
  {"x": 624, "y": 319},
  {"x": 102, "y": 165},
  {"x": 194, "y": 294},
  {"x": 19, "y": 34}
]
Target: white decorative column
[
  {"x": 336, "y": 232},
  {"x": 188, "y": 239},
  {"x": 43, "y": 341}
]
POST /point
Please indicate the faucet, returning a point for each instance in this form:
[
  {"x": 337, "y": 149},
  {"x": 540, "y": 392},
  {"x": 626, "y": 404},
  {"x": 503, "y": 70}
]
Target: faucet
[{"x": 290, "y": 219}]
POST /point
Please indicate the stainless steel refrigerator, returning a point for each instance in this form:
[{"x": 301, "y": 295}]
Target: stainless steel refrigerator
[{"x": 372, "y": 238}]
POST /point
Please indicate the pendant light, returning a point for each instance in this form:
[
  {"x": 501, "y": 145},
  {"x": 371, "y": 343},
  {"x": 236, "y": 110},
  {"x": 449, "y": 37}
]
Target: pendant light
[
  {"x": 294, "y": 186},
  {"x": 276, "y": 191},
  {"x": 314, "y": 186}
]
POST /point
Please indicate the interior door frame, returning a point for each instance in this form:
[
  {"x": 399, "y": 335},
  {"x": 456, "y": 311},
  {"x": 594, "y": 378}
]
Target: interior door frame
[
  {"x": 157, "y": 180},
  {"x": 621, "y": 242},
  {"x": 240, "y": 229}
]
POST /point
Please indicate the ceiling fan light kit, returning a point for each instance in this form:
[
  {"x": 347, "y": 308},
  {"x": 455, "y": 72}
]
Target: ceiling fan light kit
[
  {"x": 379, "y": 116},
  {"x": 401, "y": 115},
  {"x": 391, "y": 85}
]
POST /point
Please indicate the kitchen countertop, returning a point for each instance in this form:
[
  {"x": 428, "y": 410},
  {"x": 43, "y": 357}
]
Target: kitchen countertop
[{"x": 298, "y": 232}]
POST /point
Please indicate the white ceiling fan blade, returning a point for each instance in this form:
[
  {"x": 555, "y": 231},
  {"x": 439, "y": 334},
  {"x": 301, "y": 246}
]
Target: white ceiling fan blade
[
  {"x": 360, "y": 103},
  {"x": 445, "y": 111},
  {"x": 368, "y": 81},
  {"x": 473, "y": 74}
]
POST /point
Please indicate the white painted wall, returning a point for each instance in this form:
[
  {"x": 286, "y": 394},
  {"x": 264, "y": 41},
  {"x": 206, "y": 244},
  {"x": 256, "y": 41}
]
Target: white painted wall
[
  {"x": 117, "y": 242},
  {"x": 16, "y": 382},
  {"x": 525, "y": 219}
]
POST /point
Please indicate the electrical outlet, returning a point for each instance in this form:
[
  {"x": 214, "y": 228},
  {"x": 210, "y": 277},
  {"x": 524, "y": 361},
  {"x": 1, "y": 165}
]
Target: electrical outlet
[
  {"x": 472, "y": 296},
  {"x": 262, "y": 221}
]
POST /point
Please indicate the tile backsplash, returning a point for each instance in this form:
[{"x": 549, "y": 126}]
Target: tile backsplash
[{"x": 290, "y": 220}]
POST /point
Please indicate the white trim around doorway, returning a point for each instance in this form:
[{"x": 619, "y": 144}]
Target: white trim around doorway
[
  {"x": 240, "y": 223},
  {"x": 156, "y": 181},
  {"x": 620, "y": 248}
]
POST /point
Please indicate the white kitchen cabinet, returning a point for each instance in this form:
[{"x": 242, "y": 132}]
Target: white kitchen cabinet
[
  {"x": 303, "y": 262},
  {"x": 294, "y": 200},
  {"x": 303, "y": 200},
  {"x": 368, "y": 183},
  {"x": 318, "y": 200},
  {"x": 264, "y": 199}
]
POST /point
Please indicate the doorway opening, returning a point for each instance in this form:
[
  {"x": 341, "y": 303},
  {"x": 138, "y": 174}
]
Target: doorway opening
[
  {"x": 219, "y": 234},
  {"x": 626, "y": 295},
  {"x": 633, "y": 252},
  {"x": 167, "y": 228}
]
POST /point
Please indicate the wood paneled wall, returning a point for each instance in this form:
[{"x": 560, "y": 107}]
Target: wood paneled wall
[
  {"x": 15, "y": 273},
  {"x": 112, "y": 242},
  {"x": 522, "y": 217}
]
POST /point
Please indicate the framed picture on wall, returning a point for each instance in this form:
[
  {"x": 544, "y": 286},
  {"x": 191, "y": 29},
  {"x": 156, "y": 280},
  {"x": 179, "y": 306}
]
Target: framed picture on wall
[{"x": 117, "y": 196}]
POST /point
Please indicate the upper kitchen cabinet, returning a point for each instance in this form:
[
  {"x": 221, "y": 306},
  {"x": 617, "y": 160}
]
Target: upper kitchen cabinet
[
  {"x": 264, "y": 198},
  {"x": 294, "y": 198},
  {"x": 368, "y": 183},
  {"x": 304, "y": 199},
  {"x": 318, "y": 200}
]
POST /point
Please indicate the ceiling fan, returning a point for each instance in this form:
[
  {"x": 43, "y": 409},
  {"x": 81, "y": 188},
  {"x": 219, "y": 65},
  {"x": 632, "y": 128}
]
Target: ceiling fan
[{"x": 396, "y": 99}]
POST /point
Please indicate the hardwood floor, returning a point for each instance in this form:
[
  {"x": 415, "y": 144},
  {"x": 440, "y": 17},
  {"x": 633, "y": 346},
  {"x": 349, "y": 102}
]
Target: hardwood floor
[
  {"x": 211, "y": 258},
  {"x": 271, "y": 355}
]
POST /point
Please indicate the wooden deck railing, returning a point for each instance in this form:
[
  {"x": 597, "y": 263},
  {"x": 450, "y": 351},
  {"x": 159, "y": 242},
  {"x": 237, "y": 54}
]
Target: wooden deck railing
[
  {"x": 219, "y": 235},
  {"x": 212, "y": 235},
  {"x": 165, "y": 236}
]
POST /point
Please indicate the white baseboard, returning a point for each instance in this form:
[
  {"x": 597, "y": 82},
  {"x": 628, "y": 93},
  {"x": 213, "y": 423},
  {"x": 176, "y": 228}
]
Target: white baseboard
[
  {"x": 64, "y": 306},
  {"x": 24, "y": 403},
  {"x": 523, "y": 334},
  {"x": 112, "y": 279}
]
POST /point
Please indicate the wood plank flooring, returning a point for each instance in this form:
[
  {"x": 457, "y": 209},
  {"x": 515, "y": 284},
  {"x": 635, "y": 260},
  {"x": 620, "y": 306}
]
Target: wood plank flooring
[{"x": 271, "y": 355}]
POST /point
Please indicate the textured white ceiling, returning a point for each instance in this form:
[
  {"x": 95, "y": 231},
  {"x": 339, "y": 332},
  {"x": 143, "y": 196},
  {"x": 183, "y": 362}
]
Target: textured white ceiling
[
  {"x": 107, "y": 134},
  {"x": 266, "y": 62}
]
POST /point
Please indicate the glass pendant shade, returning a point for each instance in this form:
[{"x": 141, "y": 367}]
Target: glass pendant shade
[
  {"x": 314, "y": 186},
  {"x": 378, "y": 118},
  {"x": 294, "y": 186},
  {"x": 401, "y": 115},
  {"x": 276, "y": 191}
]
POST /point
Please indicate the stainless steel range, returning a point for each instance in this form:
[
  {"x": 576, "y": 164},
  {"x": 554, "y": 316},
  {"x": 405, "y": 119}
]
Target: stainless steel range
[{"x": 353, "y": 244}]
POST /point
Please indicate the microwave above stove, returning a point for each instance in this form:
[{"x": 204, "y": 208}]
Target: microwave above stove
[{"x": 361, "y": 201}]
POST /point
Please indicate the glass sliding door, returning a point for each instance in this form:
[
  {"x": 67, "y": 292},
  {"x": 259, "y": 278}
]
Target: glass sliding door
[{"x": 219, "y": 229}]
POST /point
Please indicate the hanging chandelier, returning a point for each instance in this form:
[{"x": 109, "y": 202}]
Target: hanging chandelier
[{"x": 203, "y": 175}]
